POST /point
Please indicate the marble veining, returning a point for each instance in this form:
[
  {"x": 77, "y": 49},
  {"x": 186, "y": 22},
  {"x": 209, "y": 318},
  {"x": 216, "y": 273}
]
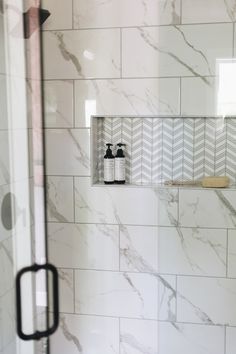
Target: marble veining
[
  {"x": 69, "y": 336},
  {"x": 150, "y": 42},
  {"x": 228, "y": 205},
  {"x": 68, "y": 56},
  {"x": 147, "y": 13},
  {"x": 134, "y": 343},
  {"x": 82, "y": 156},
  {"x": 59, "y": 204},
  {"x": 200, "y": 52}
]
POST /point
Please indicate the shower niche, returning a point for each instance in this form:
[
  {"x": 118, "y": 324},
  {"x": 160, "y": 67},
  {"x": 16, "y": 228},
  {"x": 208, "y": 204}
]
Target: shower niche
[{"x": 160, "y": 149}]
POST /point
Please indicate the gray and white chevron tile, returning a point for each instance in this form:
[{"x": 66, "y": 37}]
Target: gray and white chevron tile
[
  {"x": 157, "y": 141},
  {"x": 116, "y": 131},
  {"x": 160, "y": 149},
  {"x": 127, "y": 140},
  {"x": 209, "y": 149},
  {"x": 147, "y": 150},
  {"x": 231, "y": 148},
  {"x": 136, "y": 160},
  {"x": 220, "y": 148},
  {"x": 178, "y": 145},
  {"x": 167, "y": 158},
  {"x": 198, "y": 148},
  {"x": 188, "y": 150}
]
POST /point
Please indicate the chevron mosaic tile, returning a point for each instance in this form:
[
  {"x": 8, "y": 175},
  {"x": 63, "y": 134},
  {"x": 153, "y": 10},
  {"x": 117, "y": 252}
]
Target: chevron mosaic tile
[{"x": 160, "y": 149}]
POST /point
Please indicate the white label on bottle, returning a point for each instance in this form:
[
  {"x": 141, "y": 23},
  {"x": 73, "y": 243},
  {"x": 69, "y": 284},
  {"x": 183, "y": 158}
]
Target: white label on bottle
[
  {"x": 120, "y": 169},
  {"x": 109, "y": 170}
]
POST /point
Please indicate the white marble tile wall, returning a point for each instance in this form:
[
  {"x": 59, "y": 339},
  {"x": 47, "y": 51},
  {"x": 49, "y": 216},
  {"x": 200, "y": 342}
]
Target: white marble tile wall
[{"x": 142, "y": 270}]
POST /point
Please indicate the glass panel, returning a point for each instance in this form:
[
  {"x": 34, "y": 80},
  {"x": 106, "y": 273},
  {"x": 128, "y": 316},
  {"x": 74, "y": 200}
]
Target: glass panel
[
  {"x": 22, "y": 224},
  {"x": 150, "y": 266}
]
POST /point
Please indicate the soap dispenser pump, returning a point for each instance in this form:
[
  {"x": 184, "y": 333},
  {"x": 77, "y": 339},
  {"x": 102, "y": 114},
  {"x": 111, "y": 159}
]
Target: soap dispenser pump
[
  {"x": 120, "y": 165},
  {"x": 109, "y": 165}
]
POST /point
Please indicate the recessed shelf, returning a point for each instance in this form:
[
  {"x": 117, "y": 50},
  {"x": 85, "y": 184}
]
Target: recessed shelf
[{"x": 160, "y": 149}]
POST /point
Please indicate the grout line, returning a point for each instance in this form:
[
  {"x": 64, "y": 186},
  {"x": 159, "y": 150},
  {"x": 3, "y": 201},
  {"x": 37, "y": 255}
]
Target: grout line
[
  {"x": 142, "y": 225},
  {"x": 129, "y": 78},
  {"x": 180, "y": 96},
  {"x": 157, "y": 275},
  {"x": 121, "y": 54},
  {"x": 148, "y": 319},
  {"x": 233, "y": 39},
  {"x": 178, "y": 210},
  {"x": 152, "y": 151},
  {"x": 74, "y": 125},
  {"x": 73, "y": 186},
  {"x": 225, "y": 346},
  {"x": 119, "y": 232},
  {"x": 138, "y": 26},
  {"x": 66, "y": 128},
  {"x": 176, "y": 299},
  {"x": 74, "y": 289},
  {"x": 181, "y": 11},
  {"x": 119, "y": 337},
  {"x": 227, "y": 254},
  {"x": 72, "y": 15}
]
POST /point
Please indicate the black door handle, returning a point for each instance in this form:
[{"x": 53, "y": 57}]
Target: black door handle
[{"x": 38, "y": 334}]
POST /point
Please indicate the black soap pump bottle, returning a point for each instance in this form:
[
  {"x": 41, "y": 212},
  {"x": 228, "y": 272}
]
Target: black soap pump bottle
[
  {"x": 109, "y": 165},
  {"x": 120, "y": 165}
]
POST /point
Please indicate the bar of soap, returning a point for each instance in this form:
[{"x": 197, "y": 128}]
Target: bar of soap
[{"x": 215, "y": 182}]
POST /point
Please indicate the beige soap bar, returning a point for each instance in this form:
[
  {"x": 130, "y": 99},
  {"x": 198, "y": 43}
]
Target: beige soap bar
[{"x": 215, "y": 182}]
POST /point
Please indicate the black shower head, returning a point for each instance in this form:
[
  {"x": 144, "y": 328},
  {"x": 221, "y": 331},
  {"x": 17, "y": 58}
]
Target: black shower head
[{"x": 33, "y": 18}]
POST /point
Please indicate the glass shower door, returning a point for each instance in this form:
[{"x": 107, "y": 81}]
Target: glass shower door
[{"x": 24, "y": 271}]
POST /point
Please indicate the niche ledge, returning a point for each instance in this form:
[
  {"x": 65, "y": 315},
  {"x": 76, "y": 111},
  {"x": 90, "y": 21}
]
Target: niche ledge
[{"x": 160, "y": 149}]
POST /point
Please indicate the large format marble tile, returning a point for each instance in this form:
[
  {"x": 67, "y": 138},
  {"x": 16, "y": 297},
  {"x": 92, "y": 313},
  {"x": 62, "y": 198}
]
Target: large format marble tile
[
  {"x": 2, "y": 46},
  {"x": 201, "y": 11},
  {"x": 166, "y": 297},
  {"x": 125, "y": 97},
  {"x": 7, "y": 322},
  {"x": 60, "y": 14},
  {"x": 3, "y": 102},
  {"x": 116, "y": 13},
  {"x": 4, "y": 158},
  {"x": 192, "y": 251},
  {"x": 68, "y": 152},
  {"x": 60, "y": 199},
  {"x": 138, "y": 248},
  {"x": 207, "y": 208},
  {"x": 232, "y": 253},
  {"x": 84, "y": 246},
  {"x": 66, "y": 290},
  {"x": 10, "y": 348},
  {"x": 81, "y": 54},
  {"x": 6, "y": 266},
  {"x": 116, "y": 294},
  {"x": 167, "y": 201},
  {"x": 206, "y": 300},
  {"x": 176, "y": 338},
  {"x": 138, "y": 336},
  {"x": 175, "y": 51},
  {"x": 197, "y": 97},
  {"x": 58, "y": 104},
  {"x": 136, "y": 206},
  {"x": 86, "y": 334},
  {"x": 230, "y": 340},
  {"x": 114, "y": 205}
]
